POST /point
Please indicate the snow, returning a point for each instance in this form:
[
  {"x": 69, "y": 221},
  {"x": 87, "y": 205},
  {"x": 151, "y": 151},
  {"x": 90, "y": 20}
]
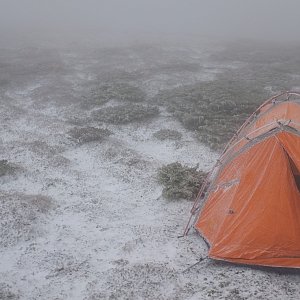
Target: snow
[{"x": 109, "y": 233}]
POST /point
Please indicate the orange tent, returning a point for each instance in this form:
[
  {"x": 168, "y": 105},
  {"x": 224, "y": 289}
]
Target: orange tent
[{"x": 248, "y": 210}]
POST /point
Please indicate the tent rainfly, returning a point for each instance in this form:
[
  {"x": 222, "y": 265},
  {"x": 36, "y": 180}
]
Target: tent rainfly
[{"x": 248, "y": 209}]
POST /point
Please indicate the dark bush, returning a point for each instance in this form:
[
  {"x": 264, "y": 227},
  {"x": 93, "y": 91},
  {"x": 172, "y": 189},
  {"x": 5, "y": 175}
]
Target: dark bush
[{"x": 180, "y": 182}]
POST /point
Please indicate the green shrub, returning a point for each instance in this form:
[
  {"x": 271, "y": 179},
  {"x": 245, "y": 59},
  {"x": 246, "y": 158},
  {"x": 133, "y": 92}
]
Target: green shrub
[{"x": 180, "y": 182}]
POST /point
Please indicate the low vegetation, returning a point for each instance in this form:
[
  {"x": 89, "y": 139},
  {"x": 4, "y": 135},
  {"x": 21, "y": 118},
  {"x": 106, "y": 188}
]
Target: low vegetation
[
  {"x": 126, "y": 92},
  {"x": 167, "y": 134},
  {"x": 213, "y": 110},
  {"x": 124, "y": 114},
  {"x": 6, "y": 168},
  {"x": 114, "y": 91},
  {"x": 180, "y": 182},
  {"x": 83, "y": 135}
]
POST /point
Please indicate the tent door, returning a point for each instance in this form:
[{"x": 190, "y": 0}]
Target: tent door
[{"x": 295, "y": 172}]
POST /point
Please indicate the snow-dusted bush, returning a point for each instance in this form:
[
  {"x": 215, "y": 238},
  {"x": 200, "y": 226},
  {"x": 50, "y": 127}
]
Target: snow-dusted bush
[{"x": 180, "y": 182}]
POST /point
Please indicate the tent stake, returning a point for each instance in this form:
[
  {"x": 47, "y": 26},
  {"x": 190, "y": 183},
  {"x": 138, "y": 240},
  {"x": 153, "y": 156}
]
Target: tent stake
[{"x": 201, "y": 259}]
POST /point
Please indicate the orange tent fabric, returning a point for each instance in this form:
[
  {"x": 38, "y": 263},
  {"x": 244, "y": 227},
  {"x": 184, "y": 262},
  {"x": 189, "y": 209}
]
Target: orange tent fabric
[{"x": 249, "y": 208}]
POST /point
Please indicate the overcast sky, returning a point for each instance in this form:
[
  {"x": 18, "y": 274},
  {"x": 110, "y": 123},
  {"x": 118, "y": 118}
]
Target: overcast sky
[{"x": 273, "y": 19}]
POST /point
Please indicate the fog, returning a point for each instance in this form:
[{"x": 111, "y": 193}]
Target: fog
[
  {"x": 258, "y": 19},
  {"x": 111, "y": 114}
]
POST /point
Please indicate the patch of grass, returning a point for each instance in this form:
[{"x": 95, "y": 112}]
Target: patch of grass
[
  {"x": 127, "y": 113},
  {"x": 180, "y": 182},
  {"x": 114, "y": 91},
  {"x": 167, "y": 134},
  {"x": 43, "y": 148},
  {"x": 127, "y": 92},
  {"x": 6, "y": 168},
  {"x": 88, "y": 134}
]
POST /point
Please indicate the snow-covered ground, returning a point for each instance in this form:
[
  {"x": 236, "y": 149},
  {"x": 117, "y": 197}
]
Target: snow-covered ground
[{"x": 87, "y": 221}]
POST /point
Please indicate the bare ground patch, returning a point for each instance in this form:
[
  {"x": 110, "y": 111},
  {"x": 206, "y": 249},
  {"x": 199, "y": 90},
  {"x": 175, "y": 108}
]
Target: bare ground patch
[{"x": 140, "y": 281}]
